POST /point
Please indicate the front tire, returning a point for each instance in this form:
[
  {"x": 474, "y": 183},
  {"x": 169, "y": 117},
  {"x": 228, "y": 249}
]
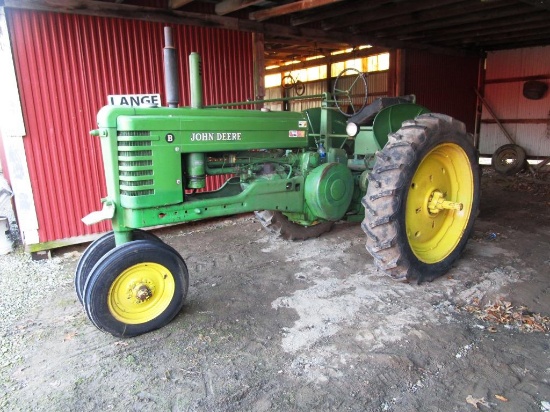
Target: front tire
[
  {"x": 97, "y": 249},
  {"x": 422, "y": 198},
  {"x": 135, "y": 288}
]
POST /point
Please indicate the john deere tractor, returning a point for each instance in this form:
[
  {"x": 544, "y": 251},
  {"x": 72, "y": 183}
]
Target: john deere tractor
[{"x": 409, "y": 175}]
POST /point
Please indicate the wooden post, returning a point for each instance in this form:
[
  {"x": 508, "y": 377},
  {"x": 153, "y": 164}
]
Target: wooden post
[
  {"x": 398, "y": 71},
  {"x": 259, "y": 67}
]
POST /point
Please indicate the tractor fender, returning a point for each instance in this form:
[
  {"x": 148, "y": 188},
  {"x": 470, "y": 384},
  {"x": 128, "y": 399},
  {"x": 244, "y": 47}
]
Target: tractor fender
[{"x": 390, "y": 119}]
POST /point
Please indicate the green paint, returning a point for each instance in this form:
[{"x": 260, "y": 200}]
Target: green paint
[{"x": 152, "y": 156}]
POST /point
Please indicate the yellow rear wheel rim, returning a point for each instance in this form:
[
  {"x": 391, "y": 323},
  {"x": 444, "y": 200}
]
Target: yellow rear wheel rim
[
  {"x": 439, "y": 203},
  {"x": 141, "y": 293}
]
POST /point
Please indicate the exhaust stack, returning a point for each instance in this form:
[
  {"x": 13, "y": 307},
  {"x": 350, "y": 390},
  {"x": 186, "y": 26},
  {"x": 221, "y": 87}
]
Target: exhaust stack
[{"x": 171, "y": 82}]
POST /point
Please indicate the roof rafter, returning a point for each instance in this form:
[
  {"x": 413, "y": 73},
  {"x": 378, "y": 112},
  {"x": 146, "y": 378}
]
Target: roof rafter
[
  {"x": 284, "y": 9},
  {"x": 299, "y": 34},
  {"x": 229, "y": 6},
  {"x": 543, "y": 4},
  {"x": 176, "y": 4}
]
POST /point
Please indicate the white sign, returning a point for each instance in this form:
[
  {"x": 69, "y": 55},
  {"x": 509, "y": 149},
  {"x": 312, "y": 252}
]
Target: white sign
[{"x": 136, "y": 100}]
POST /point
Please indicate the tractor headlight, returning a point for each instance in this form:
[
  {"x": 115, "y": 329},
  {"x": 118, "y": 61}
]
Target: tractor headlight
[{"x": 352, "y": 129}]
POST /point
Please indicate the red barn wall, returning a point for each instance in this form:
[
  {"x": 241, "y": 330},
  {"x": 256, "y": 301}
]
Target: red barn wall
[
  {"x": 66, "y": 65},
  {"x": 444, "y": 84}
]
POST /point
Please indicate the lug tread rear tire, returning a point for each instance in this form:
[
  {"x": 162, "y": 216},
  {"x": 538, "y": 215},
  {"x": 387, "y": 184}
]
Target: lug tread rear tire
[
  {"x": 278, "y": 225},
  {"x": 385, "y": 200}
]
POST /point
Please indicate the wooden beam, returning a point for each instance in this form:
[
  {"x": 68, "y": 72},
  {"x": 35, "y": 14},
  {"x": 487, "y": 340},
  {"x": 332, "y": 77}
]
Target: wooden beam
[
  {"x": 541, "y": 35},
  {"x": 259, "y": 67},
  {"x": 229, "y": 6},
  {"x": 390, "y": 11},
  {"x": 518, "y": 79},
  {"x": 176, "y": 4},
  {"x": 516, "y": 121},
  {"x": 540, "y": 4},
  {"x": 464, "y": 29},
  {"x": 537, "y": 24},
  {"x": 153, "y": 14},
  {"x": 275, "y": 41},
  {"x": 442, "y": 19},
  {"x": 332, "y": 13},
  {"x": 518, "y": 44},
  {"x": 301, "y": 5},
  {"x": 328, "y": 59}
]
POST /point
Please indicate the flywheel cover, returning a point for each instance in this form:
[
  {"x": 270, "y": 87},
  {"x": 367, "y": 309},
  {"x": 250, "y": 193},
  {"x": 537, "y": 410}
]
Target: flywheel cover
[{"x": 329, "y": 189}]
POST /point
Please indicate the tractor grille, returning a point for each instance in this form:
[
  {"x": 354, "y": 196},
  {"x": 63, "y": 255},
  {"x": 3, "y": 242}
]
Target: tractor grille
[
  {"x": 135, "y": 163},
  {"x": 131, "y": 133},
  {"x": 136, "y": 172},
  {"x": 122, "y": 164},
  {"x": 137, "y": 192},
  {"x": 138, "y": 153},
  {"x": 139, "y": 182},
  {"x": 142, "y": 143}
]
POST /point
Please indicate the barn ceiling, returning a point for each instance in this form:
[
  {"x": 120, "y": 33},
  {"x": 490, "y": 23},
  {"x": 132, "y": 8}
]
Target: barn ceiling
[
  {"x": 448, "y": 26},
  {"x": 296, "y": 29}
]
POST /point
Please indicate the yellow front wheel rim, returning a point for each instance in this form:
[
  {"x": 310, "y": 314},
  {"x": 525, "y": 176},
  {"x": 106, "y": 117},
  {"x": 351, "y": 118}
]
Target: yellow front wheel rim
[
  {"x": 141, "y": 293},
  {"x": 439, "y": 203}
]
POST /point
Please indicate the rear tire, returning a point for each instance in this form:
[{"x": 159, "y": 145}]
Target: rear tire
[
  {"x": 279, "y": 225},
  {"x": 409, "y": 233}
]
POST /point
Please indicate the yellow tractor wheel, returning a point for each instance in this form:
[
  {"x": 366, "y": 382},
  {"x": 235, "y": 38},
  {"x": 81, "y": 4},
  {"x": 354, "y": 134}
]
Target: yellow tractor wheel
[
  {"x": 97, "y": 249},
  {"x": 135, "y": 288},
  {"x": 422, "y": 198}
]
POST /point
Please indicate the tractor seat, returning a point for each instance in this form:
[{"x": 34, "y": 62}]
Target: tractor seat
[{"x": 366, "y": 115}]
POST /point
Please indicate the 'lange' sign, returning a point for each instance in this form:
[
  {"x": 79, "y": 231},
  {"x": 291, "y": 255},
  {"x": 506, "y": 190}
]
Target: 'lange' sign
[{"x": 146, "y": 100}]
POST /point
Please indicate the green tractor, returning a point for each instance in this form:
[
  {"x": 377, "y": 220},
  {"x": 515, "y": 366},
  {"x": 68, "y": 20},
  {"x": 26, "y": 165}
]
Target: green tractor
[{"x": 410, "y": 176}]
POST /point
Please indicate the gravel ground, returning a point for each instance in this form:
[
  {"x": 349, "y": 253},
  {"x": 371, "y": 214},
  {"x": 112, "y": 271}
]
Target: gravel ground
[
  {"x": 28, "y": 283},
  {"x": 277, "y": 326}
]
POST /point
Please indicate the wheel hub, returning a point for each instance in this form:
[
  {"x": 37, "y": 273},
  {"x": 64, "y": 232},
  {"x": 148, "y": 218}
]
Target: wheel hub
[
  {"x": 139, "y": 292},
  {"x": 142, "y": 292},
  {"x": 437, "y": 203},
  {"x": 434, "y": 220}
]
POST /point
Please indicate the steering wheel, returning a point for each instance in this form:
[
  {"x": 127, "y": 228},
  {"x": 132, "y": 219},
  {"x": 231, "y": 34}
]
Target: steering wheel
[{"x": 344, "y": 97}]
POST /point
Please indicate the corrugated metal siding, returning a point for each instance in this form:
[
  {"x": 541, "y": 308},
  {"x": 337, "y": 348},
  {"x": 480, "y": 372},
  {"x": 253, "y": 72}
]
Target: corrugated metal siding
[
  {"x": 531, "y": 61},
  {"x": 527, "y": 121},
  {"x": 311, "y": 88},
  {"x": 443, "y": 84},
  {"x": 377, "y": 84},
  {"x": 66, "y": 67}
]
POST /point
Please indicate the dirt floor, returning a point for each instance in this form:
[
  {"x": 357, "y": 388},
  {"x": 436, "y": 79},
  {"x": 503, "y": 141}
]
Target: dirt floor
[{"x": 271, "y": 325}]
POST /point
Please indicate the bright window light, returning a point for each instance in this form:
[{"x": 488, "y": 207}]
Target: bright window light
[
  {"x": 375, "y": 63},
  {"x": 273, "y": 80}
]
